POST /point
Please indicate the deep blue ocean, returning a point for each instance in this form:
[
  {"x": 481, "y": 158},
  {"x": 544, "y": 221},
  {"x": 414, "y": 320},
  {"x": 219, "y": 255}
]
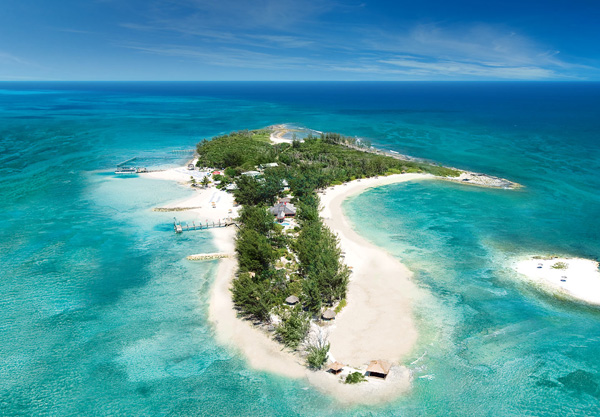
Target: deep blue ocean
[{"x": 101, "y": 315}]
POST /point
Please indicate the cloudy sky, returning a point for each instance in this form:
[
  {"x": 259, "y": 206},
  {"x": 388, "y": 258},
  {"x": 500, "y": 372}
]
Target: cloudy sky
[{"x": 299, "y": 40}]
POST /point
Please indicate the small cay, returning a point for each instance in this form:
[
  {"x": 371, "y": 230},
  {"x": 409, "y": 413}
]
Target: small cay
[{"x": 574, "y": 278}]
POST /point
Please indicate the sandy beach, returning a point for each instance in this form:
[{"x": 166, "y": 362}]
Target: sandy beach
[
  {"x": 364, "y": 330},
  {"x": 576, "y": 278},
  {"x": 255, "y": 345},
  {"x": 208, "y": 204},
  {"x": 377, "y": 323}
]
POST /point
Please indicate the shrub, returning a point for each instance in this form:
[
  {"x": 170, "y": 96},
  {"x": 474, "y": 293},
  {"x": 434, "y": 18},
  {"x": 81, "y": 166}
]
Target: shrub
[
  {"x": 560, "y": 265},
  {"x": 317, "y": 355},
  {"x": 355, "y": 378},
  {"x": 341, "y": 305}
]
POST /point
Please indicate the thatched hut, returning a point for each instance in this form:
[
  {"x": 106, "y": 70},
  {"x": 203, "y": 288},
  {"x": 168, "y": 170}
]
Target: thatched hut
[
  {"x": 335, "y": 368},
  {"x": 292, "y": 300},
  {"x": 379, "y": 369},
  {"x": 329, "y": 314}
]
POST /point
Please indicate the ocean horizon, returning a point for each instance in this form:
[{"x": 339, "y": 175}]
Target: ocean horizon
[{"x": 101, "y": 313}]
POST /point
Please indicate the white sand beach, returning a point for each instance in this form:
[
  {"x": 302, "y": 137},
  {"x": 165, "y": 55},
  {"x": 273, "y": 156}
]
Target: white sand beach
[
  {"x": 575, "y": 277},
  {"x": 377, "y": 323},
  {"x": 208, "y": 204},
  {"x": 257, "y": 347}
]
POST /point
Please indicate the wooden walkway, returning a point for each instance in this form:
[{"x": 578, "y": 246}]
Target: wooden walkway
[{"x": 180, "y": 228}]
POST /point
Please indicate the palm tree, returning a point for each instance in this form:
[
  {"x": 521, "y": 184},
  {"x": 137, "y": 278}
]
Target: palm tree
[{"x": 205, "y": 181}]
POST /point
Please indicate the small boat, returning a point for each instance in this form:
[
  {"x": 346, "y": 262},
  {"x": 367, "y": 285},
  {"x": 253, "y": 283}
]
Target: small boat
[
  {"x": 540, "y": 265},
  {"x": 125, "y": 170},
  {"x": 563, "y": 279}
]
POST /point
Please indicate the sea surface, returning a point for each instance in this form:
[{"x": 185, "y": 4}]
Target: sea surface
[{"x": 101, "y": 315}]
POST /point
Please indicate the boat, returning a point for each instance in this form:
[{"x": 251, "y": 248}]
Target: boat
[{"x": 125, "y": 170}]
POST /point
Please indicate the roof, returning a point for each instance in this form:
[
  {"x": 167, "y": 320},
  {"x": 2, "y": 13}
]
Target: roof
[
  {"x": 251, "y": 173},
  {"x": 336, "y": 366},
  {"x": 328, "y": 314},
  {"x": 379, "y": 367},
  {"x": 269, "y": 165},
  {"x": 292, "y": 299},
  {"x": 285, "y": 208}
]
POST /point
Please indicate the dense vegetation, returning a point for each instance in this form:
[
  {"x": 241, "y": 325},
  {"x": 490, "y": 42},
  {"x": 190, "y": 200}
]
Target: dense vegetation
[{"x": 305, "y": 263}]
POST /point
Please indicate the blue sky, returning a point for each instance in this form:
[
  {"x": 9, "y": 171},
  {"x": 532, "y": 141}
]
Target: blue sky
[{"x": 299, "y": 40}]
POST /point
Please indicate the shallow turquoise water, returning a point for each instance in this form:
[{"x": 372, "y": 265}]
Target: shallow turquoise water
[{"x": 100, "y": 313}]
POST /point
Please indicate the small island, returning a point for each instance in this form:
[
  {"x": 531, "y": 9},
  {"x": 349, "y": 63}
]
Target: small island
[
  {"x": 572, "y": 278},
  {"x": 298, "y": 291}
]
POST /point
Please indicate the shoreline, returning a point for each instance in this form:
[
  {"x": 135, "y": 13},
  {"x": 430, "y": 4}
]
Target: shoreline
[{"x": 466, "y": 177}]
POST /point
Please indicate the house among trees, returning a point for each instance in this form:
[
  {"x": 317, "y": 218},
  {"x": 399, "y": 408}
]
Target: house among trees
[
  {"x": 251, "y": 173},
  {"x": 283, "y": 209}
]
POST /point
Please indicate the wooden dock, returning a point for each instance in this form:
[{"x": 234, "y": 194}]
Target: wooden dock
[{"x": 178, "y": 227}]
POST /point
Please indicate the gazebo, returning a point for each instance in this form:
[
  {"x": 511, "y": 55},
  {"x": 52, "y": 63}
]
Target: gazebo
[
  {"x": 329, "y": 314},
  {"x": 379, "y": 369},
  {"x": 335, "y": 368}
]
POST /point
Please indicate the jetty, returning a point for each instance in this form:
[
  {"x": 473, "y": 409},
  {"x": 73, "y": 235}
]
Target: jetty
[{"x": 209, "y": 256}]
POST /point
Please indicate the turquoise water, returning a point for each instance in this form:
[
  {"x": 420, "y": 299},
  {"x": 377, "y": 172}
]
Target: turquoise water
[{"x": 101, "y": 314}]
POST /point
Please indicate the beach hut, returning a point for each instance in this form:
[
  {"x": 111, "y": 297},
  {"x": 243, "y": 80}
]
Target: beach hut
[
  {"x": 292, "y": 300},
  {"x": 329, "y": 314},
  {"x": 191, "y": 167},
  {"x": 335, "y": 368},
  {"x": 379, "y": 369}
]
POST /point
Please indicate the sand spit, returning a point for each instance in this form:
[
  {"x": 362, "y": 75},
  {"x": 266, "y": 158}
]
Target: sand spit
[
  {"x": 364, "y": 330},
  {"x": 571, "y": 277},
  {"x": 377, "y": 322}
]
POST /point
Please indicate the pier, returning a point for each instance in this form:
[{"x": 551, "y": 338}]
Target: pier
[{"x": 178, "y": 227}]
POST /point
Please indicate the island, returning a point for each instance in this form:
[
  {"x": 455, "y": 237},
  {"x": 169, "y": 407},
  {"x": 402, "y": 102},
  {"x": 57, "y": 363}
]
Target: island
[
  {"x": 298, "y": 292},
  {"x": 570, "y": 278}
]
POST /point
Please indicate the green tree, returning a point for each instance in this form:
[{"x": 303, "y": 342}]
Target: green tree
[
  {"x": 205, "y": 181},
  {"x": 252, "y": 296},
  {"x": 254, "y": 250},
  {"x": 317, "y": 355},
  {"x": 293, "y": 328}
]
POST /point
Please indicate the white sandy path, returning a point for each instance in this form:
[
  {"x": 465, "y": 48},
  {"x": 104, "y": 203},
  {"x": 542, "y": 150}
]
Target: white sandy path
[
  {"x": 377, "y": 322},
  {"x": 582, "y": 280}
]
